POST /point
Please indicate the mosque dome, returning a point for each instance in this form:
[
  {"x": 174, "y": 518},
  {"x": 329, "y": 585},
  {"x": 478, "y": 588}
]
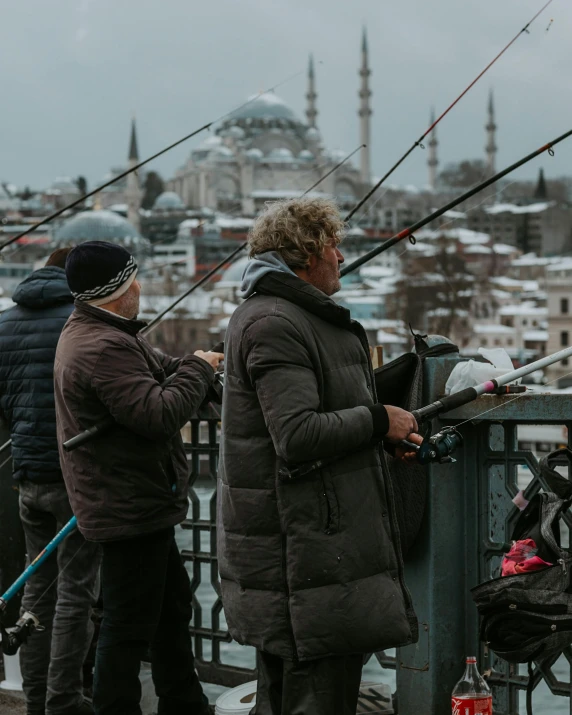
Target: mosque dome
[
  {"x": 306, "y": 155},
  {"x": 255, "y": 154},
  {"x": 99, "y": 225},
  {"x": 282, "y": 154},
  {"x": 236, "y": 132},
  {"x": 223, "y": 153},
  {"x": 264, "y": 106},
  {"x": 168, "y": 201},
  {"x": 313, "y": 134},
  {"x": 233, "y": 273}
]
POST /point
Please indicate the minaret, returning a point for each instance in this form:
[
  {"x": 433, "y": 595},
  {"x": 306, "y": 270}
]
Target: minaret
[
  {"x": 491, "y": 127},
  {"x": 311, "y": 96},
  {"x": 432, "y": 160},
  {"x": 365, "y": 114},
  {"x": 133, "y": 192},
  {"x": 540, "y": 191}
]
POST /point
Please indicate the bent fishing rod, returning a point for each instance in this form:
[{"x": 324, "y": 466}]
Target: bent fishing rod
[
  {"x": 194, "y": 133},
  {"x": 419, "y": 142},
  {"x": 409, "y": 232}
]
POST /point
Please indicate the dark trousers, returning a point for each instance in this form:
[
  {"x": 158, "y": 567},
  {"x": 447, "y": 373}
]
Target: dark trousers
[
  {"x": 61, "y": 594},
  {"x": 329, "y": 686},
  {"x": 146, "y": 605}
]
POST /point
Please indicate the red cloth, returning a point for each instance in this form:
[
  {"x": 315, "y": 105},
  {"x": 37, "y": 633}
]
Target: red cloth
[{"x": 522, "y": 558}]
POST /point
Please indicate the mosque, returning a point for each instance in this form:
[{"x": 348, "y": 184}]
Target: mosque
[{"x": 264, "y": 151}]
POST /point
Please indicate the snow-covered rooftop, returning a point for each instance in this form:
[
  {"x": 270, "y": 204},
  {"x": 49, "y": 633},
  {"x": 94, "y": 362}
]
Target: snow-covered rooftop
[
  {"x": 535, "y": 336},
  {"x": 514, "y": 209},
  {"x": 504, "y": 249},
  {"x": 526, "y": 308},
  {"x": 493, "y": 328}
]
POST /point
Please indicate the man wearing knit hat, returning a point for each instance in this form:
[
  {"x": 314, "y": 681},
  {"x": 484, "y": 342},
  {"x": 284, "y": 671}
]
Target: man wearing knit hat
[{"x": 128, "y": 486}]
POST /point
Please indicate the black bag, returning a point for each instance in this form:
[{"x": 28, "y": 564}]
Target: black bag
[
  {"x": 528, "y": 617},
  {"x": 400, "y": 383}
]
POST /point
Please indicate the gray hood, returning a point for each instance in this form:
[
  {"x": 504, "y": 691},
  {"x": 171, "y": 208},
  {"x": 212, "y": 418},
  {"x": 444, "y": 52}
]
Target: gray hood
[{"x": 261, "y": 265}]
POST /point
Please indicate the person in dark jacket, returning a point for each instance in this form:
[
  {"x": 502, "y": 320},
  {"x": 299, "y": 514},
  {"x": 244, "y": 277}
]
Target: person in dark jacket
[
  {"x": 310, "y": 565},
  {"x": 128, "y": 486},
  {"x": 63, "y": 591}
]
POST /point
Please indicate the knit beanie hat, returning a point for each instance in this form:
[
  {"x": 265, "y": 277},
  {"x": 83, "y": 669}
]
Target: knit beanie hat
[{"x": 99, "y": 272}]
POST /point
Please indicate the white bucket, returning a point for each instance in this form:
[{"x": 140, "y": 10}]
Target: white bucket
[
  {"x": 12, "y": 672},
  {"x": 374, "y": 698},
  {"x": 238, "y": 701}
]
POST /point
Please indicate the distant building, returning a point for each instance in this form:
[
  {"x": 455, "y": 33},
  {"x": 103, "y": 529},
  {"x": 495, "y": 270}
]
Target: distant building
[
  {"x": 559, "y": 289},
  {"x": 264, "y": 151}
]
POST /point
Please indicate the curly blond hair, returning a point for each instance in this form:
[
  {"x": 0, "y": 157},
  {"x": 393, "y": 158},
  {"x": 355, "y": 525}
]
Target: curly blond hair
[{"x": 296, "y": 229}]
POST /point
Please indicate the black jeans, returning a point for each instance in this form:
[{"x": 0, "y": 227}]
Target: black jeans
[
  {"x": 61, "y": 593},
  {"x": 146, "y": 604},
  {"x": 328, "y": 686}
]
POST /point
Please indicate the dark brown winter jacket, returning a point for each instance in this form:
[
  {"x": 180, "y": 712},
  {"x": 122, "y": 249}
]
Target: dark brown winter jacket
[
  {"x": 309, "y": 567},
  {"x": 132, "y": 479}
]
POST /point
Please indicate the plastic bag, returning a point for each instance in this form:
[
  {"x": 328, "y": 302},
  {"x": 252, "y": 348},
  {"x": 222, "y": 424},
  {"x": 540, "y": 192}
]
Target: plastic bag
[{"x": 470, "y": 373}]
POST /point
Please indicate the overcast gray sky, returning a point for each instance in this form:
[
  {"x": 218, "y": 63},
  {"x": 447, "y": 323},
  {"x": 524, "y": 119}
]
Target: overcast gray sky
[{"x": 74, "y": 71}]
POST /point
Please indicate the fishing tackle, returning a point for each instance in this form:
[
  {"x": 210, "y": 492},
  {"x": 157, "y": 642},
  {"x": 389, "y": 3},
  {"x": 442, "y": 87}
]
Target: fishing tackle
[{"x": 437, "y": 448}]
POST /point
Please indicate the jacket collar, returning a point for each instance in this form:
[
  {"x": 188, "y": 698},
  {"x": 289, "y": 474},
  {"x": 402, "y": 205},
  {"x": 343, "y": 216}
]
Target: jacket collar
[
  {"x": 305, "y": 295},
  {"x": 127, "y": 326}
]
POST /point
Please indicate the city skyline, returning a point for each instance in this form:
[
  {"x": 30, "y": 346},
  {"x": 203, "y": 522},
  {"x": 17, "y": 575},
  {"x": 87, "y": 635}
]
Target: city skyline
[{"x": 75, "y": 84}]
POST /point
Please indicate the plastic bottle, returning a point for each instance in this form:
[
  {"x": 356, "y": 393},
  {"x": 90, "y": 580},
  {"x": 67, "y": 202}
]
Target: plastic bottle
[{"x": 471, "y": 695}]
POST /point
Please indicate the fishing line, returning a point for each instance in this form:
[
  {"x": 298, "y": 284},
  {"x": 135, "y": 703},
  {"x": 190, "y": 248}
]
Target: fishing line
[
  {"x": 46, "y": 220},
  {"x": 419, "y": 142}
]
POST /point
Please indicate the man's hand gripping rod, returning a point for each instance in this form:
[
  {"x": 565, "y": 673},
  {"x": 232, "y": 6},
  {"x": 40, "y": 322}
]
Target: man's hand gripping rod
[{"x": 439, "y": 447}]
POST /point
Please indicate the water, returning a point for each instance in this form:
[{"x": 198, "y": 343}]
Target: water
[{"x": 544, "y": 702}]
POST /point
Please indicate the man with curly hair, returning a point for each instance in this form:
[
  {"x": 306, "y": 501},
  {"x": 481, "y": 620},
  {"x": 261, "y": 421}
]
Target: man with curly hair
[{"x": 308, "y": 545}]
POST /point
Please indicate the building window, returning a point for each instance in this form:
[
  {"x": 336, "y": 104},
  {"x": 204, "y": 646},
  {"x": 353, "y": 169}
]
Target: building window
[
  {"x": 564, "y": 338},
  {"x": 497, "y": 341},
  {"x": 484, "y": 342},
  {"x": 509, "y": 341},
  {"x": 564, "y": 362},
  {"x": 564, "y": 306}
]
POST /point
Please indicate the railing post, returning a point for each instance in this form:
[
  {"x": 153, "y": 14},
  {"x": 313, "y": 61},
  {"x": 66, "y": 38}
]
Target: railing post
[
  {"x": 436, "y": 573},
  {"x": 12, "y": 545}
]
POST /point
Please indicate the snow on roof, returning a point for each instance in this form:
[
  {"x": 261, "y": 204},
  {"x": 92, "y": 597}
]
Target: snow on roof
[
  {"x": 232, "y": 222},
  {"x": 525, "y": 308},
  {"x": 376, "y": 272},
  {"x": 477, "y": 249},
  {"x": 454, "y": 214},
  {"x": 446, "y": 312},
  {"x": 493, "y": 328},
  {"x": 382, "y": 338},
  {"x": 506, "y": 282},
  {"x": 503, "y": 249},
  {"x": 363, "y": 300},
  {"x": 531, "y": 259},
  {"x": 464, "y": 235},
  {"x": 514, "y": 209},
  {"x": 500, "y": 294},
  {"x": 535, "y": 336},
  {"x": 563, "y": 264}
]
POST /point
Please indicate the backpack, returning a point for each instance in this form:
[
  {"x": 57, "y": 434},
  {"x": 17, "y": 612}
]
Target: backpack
[
  {"x": 528, "y": 617},
  {"x": 400, "y": 383}
]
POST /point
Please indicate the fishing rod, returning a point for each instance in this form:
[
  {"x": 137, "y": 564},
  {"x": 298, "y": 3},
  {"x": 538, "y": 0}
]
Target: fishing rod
[
  {"x": 409, "y": 232},
  {"x": 439, "y": 447},
  {"x": 194, "y": 133},
  {"x": 231, "y": 256},
  {"x": 419, "y": 142}
]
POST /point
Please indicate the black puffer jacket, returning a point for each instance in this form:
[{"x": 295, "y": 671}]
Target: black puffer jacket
[
  {"x": 29, "y": 334},
  {"x": 309, "y": 568}
]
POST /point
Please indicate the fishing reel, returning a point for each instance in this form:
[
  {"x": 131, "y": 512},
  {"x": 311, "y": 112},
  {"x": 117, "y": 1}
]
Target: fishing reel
[
  {"x": 13, "y": 638},
  {"x": 437, "y": 448}
]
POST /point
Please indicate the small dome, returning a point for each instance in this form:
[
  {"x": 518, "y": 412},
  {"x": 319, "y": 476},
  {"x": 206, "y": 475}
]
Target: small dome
[
  {"x": 223, "y": 153},
  {"x": 313, "y": 134},
  {"x": 233, "y": 273},
  {"x": 280, "y": 155},
  {"x": 306, "y": 155},
  {"x": 99, "y": 226},
  {"x": 236, "y": 132},
  {"x": 168, "y": 201},
  {"x": 255, "y": 154},
  {"x": 211, "y": 142},
  {"x": 265, "y": 106},
  {"x": 337, "y": 155}
]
